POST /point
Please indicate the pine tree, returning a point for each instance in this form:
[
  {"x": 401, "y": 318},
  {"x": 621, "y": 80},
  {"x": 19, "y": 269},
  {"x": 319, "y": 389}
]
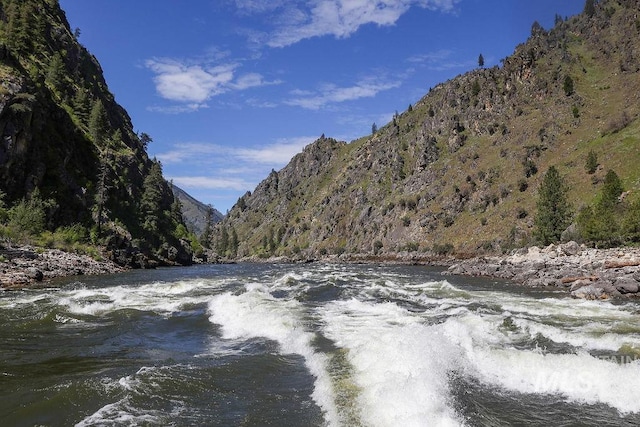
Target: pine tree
[
  {"x": 145, "y": 139},
  {"x": 600, "y": 224},
  {"x": 568, "y": 86},
  {"x": 81, "y": 105},
  {"x": 223, "y": 242},
  {"x": 591, "y": 164},
  {"x": 98, "y": 124},
  {"x": 205, "y": 239},
  {"x": 554, "y": 209},
  {"x": 631, "y": 222},
  {"x": 234, "y": 242},
  {"x": 590, "y": 8},
  {"x": 56, "y": 72},
  {"x": 102, "y": 190},
  {"x": 150, "y": 203},
  {"x": 611, "y": 190}
]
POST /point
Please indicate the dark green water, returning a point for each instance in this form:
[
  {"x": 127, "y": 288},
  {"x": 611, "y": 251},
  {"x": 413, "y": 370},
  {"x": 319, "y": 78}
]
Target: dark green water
[{"x": 313, "y": 345}]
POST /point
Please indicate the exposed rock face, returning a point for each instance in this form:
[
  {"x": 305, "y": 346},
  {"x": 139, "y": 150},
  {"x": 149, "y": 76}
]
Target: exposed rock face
[
  {"x": 24, "y": 266},
  {"x": 586, "y": 273},
  {"x": 459, "y": 170}
]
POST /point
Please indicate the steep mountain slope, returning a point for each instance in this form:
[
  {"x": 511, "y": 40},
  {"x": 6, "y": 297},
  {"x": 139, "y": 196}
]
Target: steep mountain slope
[
  {"x": 66, "y": 140},
  {"x": 460, "y": 169},
  {"x": 194, "y": 212}
]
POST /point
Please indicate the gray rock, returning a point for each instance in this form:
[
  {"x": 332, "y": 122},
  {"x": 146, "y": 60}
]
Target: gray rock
[
  {"x": 588, "y": 292},
  {"x": 34, "y": 274},
  {"x": 627, "y": 285},
  {"x": 571, "y": 248},
  {"x": 580, "y": 284},
  {"x": 607, "y": 287}
]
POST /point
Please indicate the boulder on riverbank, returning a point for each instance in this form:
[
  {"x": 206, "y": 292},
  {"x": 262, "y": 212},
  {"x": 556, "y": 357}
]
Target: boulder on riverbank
[
  {"x": 585, "y": 272},
  {"x": 26, "y": 266}
]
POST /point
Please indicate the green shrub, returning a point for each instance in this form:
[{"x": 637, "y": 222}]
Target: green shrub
[
  {"x": 27, "y": 217},
  {"x": 443, "y": 248}
]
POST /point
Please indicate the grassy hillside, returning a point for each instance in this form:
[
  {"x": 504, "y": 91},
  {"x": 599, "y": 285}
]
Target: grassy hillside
[{"x": 460, "y": 169}]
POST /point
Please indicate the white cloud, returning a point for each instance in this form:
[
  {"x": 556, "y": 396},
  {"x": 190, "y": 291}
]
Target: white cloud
[
  {"x": 298, "y": 20},
  {"x": 277, "y": 154},
  {"x": 330, "y": 93},
  {"x": 440, "y": 60},
  {"x": 211, "y": 183},
  {"x": 189, "y": 83},
  {"x": 190, "y": 152},
  {"x": 202, "y": 167},
  {"x": 192, "y": 84},
  {"x": 177, "y": 109}
]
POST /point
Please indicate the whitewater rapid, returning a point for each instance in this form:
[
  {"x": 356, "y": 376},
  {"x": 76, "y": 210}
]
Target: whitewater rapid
[
  {"x": 403, "y": 344},
  {"x": 363, "y": 345}
]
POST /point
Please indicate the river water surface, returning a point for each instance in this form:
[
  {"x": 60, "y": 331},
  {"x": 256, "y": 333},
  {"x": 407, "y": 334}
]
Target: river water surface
[{"x": 313, "y": 345}]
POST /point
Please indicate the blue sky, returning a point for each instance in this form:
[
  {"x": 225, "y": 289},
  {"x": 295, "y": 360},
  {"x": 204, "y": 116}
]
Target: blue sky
[{"x": 230, "y": 89}]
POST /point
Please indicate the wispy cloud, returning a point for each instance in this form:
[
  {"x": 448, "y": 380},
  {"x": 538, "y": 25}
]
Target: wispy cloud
[
  {"x": 191, "y": 83},
  {"x": 190, "y": 152},
  {"x": 210, "y": 183},
  {"x": 224, "y": 168},
  {"x": 277, "y": 154},
  {"x": 440, "y": 60},
  {"x": 330, "y": 93},
  {"x": 294, "y": 20}
]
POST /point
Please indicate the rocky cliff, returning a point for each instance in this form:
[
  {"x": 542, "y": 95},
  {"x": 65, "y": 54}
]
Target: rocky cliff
[
  {"x": 459, "y": 170},
  {"x": 63, "y": 134}
]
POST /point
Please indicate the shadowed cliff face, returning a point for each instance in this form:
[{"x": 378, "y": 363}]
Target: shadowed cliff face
[
  {"x": 460, "y": 169},
  {"x": 62, "y": 133}
]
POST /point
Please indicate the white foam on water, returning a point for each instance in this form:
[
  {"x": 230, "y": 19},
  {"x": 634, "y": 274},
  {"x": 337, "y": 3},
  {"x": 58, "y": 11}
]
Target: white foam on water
[
  {"x": 255, "y": 313},
  {"x": 400, "y": 365},
  {"x": 592, "y": 336},
  {"x": 118, "y": 414},
  {"x": 160, "y": 297},
  {"x": 564, "y": 309},
  {"x": 124, "y": 411},
  {"x": 579, "y": 378}
]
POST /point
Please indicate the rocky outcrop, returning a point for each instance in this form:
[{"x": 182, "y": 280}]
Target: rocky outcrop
[
  {"x": 583, "y": 272},
  {"x": 27, "y": 266}
]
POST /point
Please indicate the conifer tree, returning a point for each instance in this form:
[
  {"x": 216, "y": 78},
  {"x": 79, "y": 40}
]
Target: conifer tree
[
  {"x": 568, "y": 86},
  {"x": 81, "y": 105},
  {"x": 56, "y": 72},
  {"x": 205, "y": 239},
  {"x": 98, "y": 124},
  {"x": 591, "y": 164},
  {"x": 611, "y": 190},
  {"x": 590, "y": 8},
  {"x": 150, "y": 203},
  {"x": 554, "y": 209},
  {"x": 631, "y": 222}
]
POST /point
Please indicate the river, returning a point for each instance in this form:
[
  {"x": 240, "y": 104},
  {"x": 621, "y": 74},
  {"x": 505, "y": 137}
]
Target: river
[{"x": 313, "y": 345}]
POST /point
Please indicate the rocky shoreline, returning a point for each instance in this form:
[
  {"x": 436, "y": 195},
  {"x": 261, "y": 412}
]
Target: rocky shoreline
[
  {"x": 26, "y": 266},
  {"x": 585, "y": 273}
]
